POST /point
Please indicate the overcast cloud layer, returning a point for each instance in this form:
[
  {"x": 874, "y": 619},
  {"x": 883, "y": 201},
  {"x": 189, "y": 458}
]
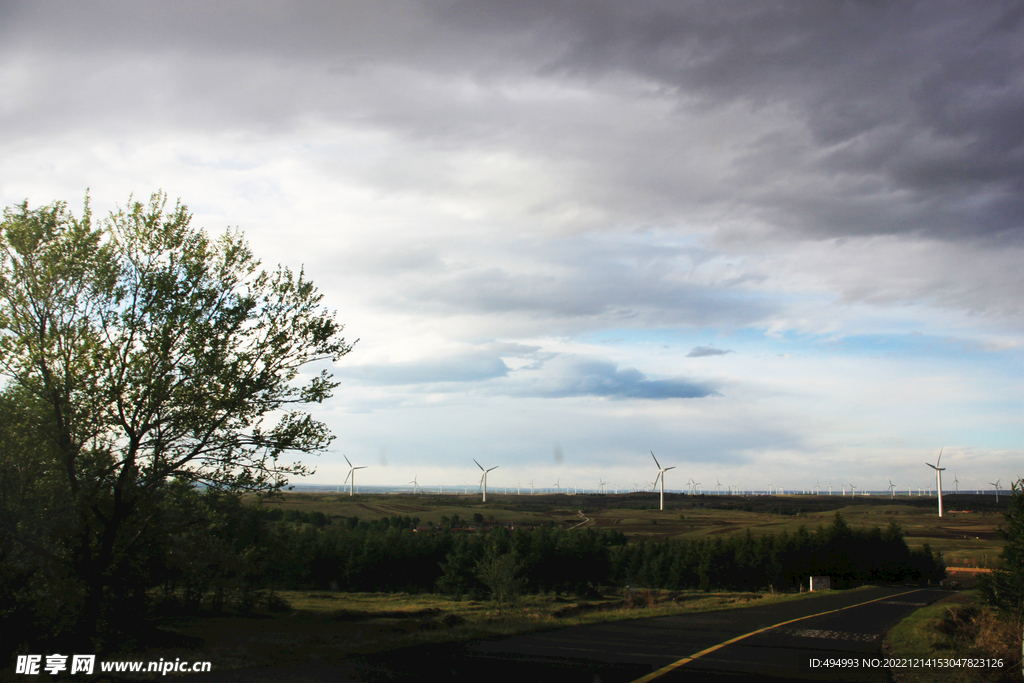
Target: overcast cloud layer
[{"x": 763, "y": 239}]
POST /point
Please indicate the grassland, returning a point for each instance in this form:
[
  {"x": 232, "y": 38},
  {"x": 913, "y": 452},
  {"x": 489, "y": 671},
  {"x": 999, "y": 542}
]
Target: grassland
[{"x": 967, "y": 535}]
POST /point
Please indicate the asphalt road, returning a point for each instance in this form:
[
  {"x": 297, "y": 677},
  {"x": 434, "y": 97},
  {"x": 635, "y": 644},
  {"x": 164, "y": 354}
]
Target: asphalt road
[
  {"x": 624, "y": 652},
  {"x": 727, "y": 645}
]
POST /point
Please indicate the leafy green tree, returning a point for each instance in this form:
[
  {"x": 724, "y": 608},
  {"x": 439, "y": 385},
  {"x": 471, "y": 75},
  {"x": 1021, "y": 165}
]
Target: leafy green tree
[
  {"x": 153, "y": 351},
  {"x": 501, "y": 573},
  {"x": 1004, "y": 587}
]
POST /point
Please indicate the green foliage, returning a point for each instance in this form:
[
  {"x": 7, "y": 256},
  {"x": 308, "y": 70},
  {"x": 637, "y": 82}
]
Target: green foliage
[
  {"x": 782, "y": 561},
  {"x": 137, "y": 350},
  {"x": 500, "y": 572},
  {"x": 1004, "y": 587}
]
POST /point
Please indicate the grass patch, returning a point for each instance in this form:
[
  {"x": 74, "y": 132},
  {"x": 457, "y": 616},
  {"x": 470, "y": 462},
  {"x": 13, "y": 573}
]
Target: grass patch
[{"x": 956, "y": 626}]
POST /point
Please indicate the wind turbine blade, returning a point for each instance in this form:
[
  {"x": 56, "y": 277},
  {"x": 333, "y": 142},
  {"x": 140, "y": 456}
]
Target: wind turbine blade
[
  {"x": 494, "y": 468},
  {"x": 940, "y": 457},
  {"x": 669, "y": 468},
  {"x": 346, "y": 478},
  {"x": 656, "y": 460},
  {"x": 361, "y": 467},
  {"x": 347, "y": 460},
  {"x": 478, "y": 464}
]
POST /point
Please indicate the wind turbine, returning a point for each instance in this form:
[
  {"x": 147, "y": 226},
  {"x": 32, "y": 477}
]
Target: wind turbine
[
  {"x": 531, "y": 487},
  {"x": 817, "y": 488},
  {"x": 558, "y": 487},
  {"x": 696, "y": 487},
  {"x": 830, "y": 487},
  {"x": 601, "y": 486},
  {"x": 414, "y": 484},
  {"x": 483, "y": 479},
  {"x": 352, "y": 475},
  {"x": 661, "y": 476},
  {"x": 996, "y": 484},
  {"x": 718, "y": 486},
  {"x": 853, "y": 490},
  {"x": 938, "y": 478},
  {"x": 892, "y": 490},
  {"x": 956, "y": 482}
]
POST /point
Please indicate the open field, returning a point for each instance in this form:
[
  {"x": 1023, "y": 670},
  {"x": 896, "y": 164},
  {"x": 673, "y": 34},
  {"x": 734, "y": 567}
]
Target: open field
[{"x": 967, "y": 535}]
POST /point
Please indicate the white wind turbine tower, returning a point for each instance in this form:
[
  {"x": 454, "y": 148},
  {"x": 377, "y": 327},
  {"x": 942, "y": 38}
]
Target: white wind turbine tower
[
  {"x": 352, "y": 475},
  {"x": 830, "y": 487},
  {"x": 938, "y": 478},
  {"x": 483, "y": 479},
  {"x": 661, "y": 476}
]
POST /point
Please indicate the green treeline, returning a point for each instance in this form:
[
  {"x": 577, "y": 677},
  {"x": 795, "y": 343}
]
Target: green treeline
[
  {"x": 245, "y": 549},
  {"x": 784, "y": 561}
]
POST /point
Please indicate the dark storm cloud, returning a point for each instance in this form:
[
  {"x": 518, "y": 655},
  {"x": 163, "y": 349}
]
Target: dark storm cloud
[
  {"x": 914, "y": 109},
  {"x": 885, "y": 117},
  {"x": 701, "y": 351}
]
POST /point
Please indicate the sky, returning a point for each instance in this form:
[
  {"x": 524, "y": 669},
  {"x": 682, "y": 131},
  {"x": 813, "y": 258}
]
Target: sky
[{"x": 774, "y": 243}]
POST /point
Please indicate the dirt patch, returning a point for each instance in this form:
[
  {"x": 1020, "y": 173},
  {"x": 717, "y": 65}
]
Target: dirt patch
[{"x": 410, "y": 508}]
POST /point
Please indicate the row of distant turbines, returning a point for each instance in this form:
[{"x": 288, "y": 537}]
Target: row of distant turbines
[{"x": 692, "y": 485}]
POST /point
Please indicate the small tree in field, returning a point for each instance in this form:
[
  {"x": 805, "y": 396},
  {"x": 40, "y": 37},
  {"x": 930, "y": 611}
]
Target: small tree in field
[
  {"x": 148, "y": 350},
  {"x": 500, "y": 572}
]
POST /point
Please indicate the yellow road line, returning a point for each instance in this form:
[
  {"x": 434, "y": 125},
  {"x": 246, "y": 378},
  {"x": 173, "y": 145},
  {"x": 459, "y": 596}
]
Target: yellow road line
[{"x": 686, "y": 660}]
